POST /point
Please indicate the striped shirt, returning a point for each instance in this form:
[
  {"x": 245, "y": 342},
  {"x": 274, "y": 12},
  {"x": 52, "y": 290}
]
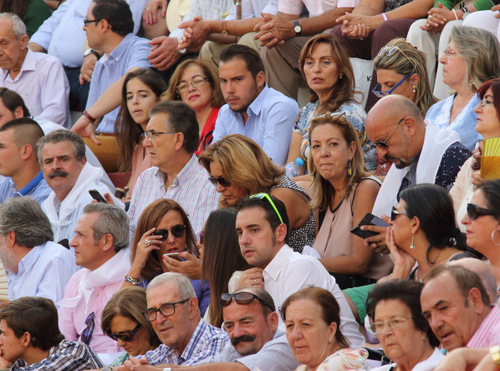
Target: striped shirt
[{"x": 488, "y": 334}]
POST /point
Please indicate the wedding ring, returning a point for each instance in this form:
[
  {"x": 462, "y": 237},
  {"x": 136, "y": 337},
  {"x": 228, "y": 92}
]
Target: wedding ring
[
  {"x": 147, "y": 242},
  {"x": 255, "y": 282}
]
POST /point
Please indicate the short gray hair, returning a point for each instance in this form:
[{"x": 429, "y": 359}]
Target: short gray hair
[
  {"x": 186, "y": 290},
  {"x": 62, "y": 135},
  {"x": 18, "y": 26},
  {"x": 112, "y": 220},
  {"x": 25, "y": 217}
]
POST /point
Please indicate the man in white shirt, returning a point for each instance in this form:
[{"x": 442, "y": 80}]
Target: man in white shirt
[{"x": 262, "y": 228}]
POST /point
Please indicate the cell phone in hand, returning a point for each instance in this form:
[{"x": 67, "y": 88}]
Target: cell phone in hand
[
  {"x": 176, "y": 256},
  {"x": 368, "y": 219},
  {"x": 96, "y": 195}
]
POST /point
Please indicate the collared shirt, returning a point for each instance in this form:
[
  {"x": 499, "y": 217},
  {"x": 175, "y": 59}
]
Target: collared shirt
[
  {"x": 191, "y": 189},
  {"x": 37, "y": 189},
  {"x": 131, "y": 52},
  {"x": 488, "y": 334},
  {"x": 206, "y": 341},
  {"x": 44, "y": 271},
  {"x": 65, "y": 356},
  {"x": 270, "y": 120},
  {"x": 62, "y": 34},
  {"x": 290, "y": 271},
  {"x": 43, "y": 85}
]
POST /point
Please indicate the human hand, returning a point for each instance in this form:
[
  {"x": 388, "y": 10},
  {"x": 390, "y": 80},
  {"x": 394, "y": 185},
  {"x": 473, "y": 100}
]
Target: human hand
[
  {"x": 196, "y": 33},
  {"x": 476, "y": 179},
  {"x": 151, "y": 10},
  {"x": 135, "y": 364},
  {"x": 403, "y": 262},
  {"x": 377, "y": 242},
  {"x": 191, "y": 267},
  {"x": 275, "y": 31},
  {"x": 85, "y": 128},
  {"x": 496, "y": 9},
  {"x": 251, "y": 277},
  {"x": 350, "y": 19},
  {"x": 437, "y": 19},
  {"x": 358, "y": 31},
  {"x": 163, "y": 52},
  {"x": 87, "y": 68},
  {"x": 145, "y": 246}
]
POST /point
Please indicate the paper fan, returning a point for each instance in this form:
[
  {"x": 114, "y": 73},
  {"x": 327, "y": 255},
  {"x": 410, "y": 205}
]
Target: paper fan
[{"x": 490, "y": 159}]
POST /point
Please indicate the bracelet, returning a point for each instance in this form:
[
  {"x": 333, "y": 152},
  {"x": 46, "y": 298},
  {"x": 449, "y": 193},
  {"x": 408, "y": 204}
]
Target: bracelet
[
  {"x": 88, "y": 116},
  {"x": 455, "y": 13},
  {"x": 132, "y": 280},
  {"x": 384, "y": 17},
  {"x": 495, "y": 355}
]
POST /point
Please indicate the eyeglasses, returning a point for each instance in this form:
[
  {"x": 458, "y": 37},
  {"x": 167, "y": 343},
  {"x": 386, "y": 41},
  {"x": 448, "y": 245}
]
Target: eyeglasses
[
  {"x": 220, "y": 180},
  {"x": 395, "y": 213},
  {"x": 86, "y": 335},
  {"x": 330, "y": 115},
  {"x": 448, "y": 51},
  {"x": 388, "y": 51},
  {"x": 150, "y": 134},
  {"x": 474, "y": 211},
  {"x": 383, "y": 143},
  {"x": 379, "y": 93},
  {"x": 195, "y": 82},
  {"x": 242, "y": 298},
  {"x": 86, "y": 22},
  {"x": 393, "y": 324},
  {"x": 200, "y": 237},
  {"x": 126, "y": 336},
  {"x": 177, "y": 231},
  {"x": 166, "y": 309},
  {"x": 266, "y": 196},
  {"x": 484, "y": 102}
]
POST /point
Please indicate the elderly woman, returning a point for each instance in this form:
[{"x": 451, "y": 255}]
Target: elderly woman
[
  {"x": 482, "y": 223},
  {"x": 326, "y": 68},
  {"x": 312, "y": 322},
  {"x": 197, "y": 84},
  {"x": 472, "y": 57},
  {"x": 343, "y": 193},
  {"x": 238, "y": 167},
  {"x": 123, "y": 320},
  {"x": 396, "y": 318}
]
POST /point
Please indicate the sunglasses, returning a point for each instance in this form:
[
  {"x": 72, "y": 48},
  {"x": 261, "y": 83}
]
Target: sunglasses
[
  {"x": 379, "y": 93},
  {"x": 266, "y": 196},
  {"x": 388, "y": 51},
  {"x": 220, "y": 180},
  {"x": 126, "y": 336},
  {"x": 242, "y": 298},
  {"x": 383, "y": 143},
  {"x": 86, "y": 335},
  {"x": 395, "y": 213},
  {"x": 474, "y": 211},
  {"x": 177, "y": 231}
]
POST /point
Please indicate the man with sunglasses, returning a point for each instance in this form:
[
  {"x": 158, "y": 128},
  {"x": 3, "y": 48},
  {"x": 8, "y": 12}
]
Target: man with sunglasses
[{"x": 420, "y": 153}]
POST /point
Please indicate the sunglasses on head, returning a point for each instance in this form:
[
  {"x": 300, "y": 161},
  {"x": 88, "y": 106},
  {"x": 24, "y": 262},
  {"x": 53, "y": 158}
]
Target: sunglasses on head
[
  {"x": 269, "y": 199},
  {"x": 177, "y": 231},
  {"x": 474, "y": 211},
  {"x": 126, "y": 336},
  {"x": 242, "y": 298},
  {"x": 220, "y": 180}
]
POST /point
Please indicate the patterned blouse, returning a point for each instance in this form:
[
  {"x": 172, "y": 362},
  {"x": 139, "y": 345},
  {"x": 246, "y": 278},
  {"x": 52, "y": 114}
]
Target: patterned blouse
[{"x": 342, "y": 360}]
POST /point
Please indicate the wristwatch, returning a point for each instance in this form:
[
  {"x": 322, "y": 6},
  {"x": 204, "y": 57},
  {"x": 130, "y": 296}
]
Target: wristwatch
[
  {"x": 91, "y": 51},
  {"x": 297, "y": 28}
]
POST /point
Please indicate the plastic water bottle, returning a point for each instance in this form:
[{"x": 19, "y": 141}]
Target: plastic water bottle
[{"x": 292, "y": 168}]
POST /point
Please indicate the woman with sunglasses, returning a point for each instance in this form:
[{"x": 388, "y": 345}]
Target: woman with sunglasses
[
  {"x": 238, "y": 167},
  {"x": 482, "y": 223},
  {"x": 196, "y": 83},
  {"x": 401, "y": 69},
  {"x": 343, "y": 194},
  {"x": 488, "y": 126},
  {"x": 123, "y": 320},
  {"x": 164, "y": 241},
  {"x": 472, "y": 57},
  {"x": 423, "y": 231},
  {"x": 325, "y": 66}
]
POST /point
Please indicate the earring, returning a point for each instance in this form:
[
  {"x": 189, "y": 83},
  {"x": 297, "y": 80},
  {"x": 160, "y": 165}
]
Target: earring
[
  {"x": 349, "y": 168},
  {"x": 412, "y": 246},
  {"x": 330, "y": 340},
  {"x": 340, "y": 76},
  {"x": 493, "y": 238},
  {"x": 414, "y": 89}
]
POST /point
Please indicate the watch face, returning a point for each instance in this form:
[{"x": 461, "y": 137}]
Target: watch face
[{"x": 297, "y": 28}]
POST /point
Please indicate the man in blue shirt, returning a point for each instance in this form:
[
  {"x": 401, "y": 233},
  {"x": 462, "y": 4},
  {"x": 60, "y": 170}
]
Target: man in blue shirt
[{"x": 253, "y": 109}]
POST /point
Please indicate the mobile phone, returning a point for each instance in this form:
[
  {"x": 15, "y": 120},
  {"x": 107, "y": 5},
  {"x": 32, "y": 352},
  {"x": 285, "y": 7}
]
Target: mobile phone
[
  {"x": 368, "y": 219},
  {"x": 176, "y": 256},
  {"x": 96, "y": 195}
]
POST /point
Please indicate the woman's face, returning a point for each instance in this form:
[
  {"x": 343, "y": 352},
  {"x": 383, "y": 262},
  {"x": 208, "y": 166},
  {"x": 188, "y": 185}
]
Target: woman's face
[
  {"x": 309, "y": 336},
  {"x": 487, "y": 124},
  {"x": 321, "y": 71},
  {"x": 139, "y": 345},
  {"x": 390, "y": 78},
  {"x": 479, "y": 231},
  {"x": 200, "y": 97},
  {"x": 402, "y": 227},
  {"x": 330, "y": 152},
  {"x": 233, "y": 192},
  {"x": 140, "y": 101},
  {"x": 401, "y": 342},
  {"x": 454, "y": 67},
  {"x": 172, "y": 243}
]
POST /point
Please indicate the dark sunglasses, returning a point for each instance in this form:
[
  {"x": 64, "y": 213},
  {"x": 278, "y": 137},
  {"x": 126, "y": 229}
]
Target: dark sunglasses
[
  {"x": 86, "y": 335},
  {"x": 395, "y": 213},
  {"x": 474, "y": 211},
  {"x": 242, "y": 298},
  {"x": 177, "y": 231},
  {"x": 222, "y": 181},
  {"x": 126, "y": 336}
]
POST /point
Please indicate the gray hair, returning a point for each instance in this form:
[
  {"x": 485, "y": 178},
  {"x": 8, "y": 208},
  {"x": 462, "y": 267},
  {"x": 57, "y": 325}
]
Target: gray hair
[
  {"x": 25, "y": 217},
  {"x": 112, "y": 220},
  {"x": 186, "y": 290},
  {"x": 18, "y": 26},
  {"x": 62, "y": 135}
]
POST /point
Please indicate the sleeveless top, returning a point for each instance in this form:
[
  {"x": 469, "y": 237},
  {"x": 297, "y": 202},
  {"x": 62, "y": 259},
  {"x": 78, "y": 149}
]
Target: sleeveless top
[
  {"x": 304, "y": 235},
  {"x": 335, "y": 238}
]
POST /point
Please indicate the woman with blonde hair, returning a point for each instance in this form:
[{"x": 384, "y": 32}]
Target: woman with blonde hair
[{"x": 238, "y": 167}]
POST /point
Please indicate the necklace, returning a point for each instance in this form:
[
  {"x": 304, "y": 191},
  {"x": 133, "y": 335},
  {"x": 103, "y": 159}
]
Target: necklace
[{"x": 430, "y": 262}]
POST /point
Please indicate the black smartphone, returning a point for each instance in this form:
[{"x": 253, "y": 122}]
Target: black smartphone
[
  {"x": 176, "y": 256},
  {"x": 96, "y": 195},
  {"x": 368, "y": 219}
]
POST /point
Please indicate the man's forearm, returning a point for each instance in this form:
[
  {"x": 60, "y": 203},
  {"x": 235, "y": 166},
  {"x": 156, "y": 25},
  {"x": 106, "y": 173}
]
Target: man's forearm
[
  {"x": 218, "y": 366},
  {"x": 315, "y": 25},
  {"x": 234, "y": 27}
]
